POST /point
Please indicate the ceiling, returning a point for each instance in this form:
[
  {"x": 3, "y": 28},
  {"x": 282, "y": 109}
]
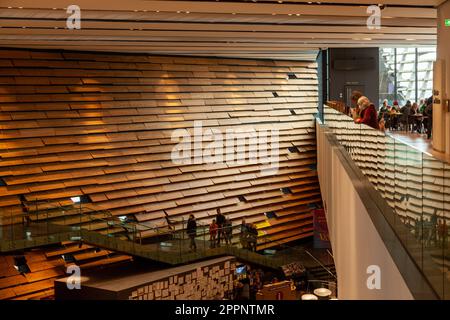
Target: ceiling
[{"x": 285, "y": 29}]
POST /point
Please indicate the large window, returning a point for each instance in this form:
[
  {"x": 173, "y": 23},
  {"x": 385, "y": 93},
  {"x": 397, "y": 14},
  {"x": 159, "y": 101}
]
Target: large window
[{"x": 406, "y": 74}]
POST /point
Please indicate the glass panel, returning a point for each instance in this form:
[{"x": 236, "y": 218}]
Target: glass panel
[
  {"x": 390, "y": 171},
  {"x": 425, "y": 58},
  {"x": 414, "y": 202},
  {"x": 433, "y": 211},
  {"x": 381, "y": 162},
  {"x": 443, "y": 233},
  {"x": 387, "y": 75},
  {"x": 406, "y": 75}
]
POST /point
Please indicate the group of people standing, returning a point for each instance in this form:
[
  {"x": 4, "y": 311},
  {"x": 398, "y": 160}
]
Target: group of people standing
[{"x": 221, "y": 230}]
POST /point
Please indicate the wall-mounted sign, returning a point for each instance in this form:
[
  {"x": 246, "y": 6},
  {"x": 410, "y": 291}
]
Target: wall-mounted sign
[{"x": 447, "y": 22}]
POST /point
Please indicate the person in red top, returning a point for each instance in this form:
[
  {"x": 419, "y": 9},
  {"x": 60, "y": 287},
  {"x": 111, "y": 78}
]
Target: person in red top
[
  {"x": 368, "y": 114},
  {"x": 213, "y": 227}
]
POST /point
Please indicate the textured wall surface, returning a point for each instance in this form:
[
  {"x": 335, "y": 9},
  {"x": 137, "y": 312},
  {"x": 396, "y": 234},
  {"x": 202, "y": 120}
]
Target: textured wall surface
[{"x": 101, "y": 125}]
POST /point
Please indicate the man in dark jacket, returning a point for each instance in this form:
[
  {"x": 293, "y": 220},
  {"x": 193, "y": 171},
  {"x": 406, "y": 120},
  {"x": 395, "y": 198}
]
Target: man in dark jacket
[
  {"x": 192, "y": 232},
  {"x": 428, "y": 112},
  {"x": 220, "y": 220}
]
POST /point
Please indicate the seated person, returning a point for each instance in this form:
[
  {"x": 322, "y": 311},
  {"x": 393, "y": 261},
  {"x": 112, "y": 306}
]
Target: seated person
[{"x": 404, "y": 118}]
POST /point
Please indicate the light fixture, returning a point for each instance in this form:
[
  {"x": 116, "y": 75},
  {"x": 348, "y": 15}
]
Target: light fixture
[
  {"x": 308, "y": 296},
  {"x": 322, "y": 293},
  {"x": 76, "y": 199},
  {"x": 81, "y": 199},
  {"x": 68, "y": 258}
]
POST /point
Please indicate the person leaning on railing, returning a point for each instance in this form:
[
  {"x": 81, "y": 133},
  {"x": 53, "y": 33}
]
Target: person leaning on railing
[{"x": 368, "y": 113}]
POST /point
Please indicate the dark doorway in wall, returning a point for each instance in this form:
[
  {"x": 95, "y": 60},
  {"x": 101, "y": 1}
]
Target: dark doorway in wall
[{"x": 353, "y": 69}]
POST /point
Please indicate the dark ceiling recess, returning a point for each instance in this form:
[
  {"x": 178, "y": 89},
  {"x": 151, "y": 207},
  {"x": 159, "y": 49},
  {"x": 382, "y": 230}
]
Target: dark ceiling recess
[
  {"x": 354, "y": 64},
  {"x": 242, "y": 199},
  {"x": 20, "y": 263},
  {"x": 292, "y": 75},
  {"x": 271, "y": 215},
  {"x": 286, "y": 190},
  {"x": 293, "y": 150}
]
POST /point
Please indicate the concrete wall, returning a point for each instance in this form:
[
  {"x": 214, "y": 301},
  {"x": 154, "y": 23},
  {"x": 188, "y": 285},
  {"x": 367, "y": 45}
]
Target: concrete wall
[{"x": 355, "y": 241}]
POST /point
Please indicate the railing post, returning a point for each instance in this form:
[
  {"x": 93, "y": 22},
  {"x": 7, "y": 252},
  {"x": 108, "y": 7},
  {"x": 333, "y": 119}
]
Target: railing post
[
  {"x": 37, "y": 211},
  {"x": 12, "y": 228}
]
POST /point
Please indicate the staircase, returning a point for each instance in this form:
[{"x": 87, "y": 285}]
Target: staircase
[{"x": 174, "y": 251}]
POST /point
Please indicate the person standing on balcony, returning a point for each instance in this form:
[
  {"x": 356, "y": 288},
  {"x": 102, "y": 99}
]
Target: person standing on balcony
[
  {"x": 253, "y": 236},
  {"x": 228, "y": 231},
  {"x": 220, "y": 218},
  {"x": 368, "y": 114},
  {"x": 213, "y": 233},
  {"x": 243, "y": 236},
  {"x": 192, "y": 232}
]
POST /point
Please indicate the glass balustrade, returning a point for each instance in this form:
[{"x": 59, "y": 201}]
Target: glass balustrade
[
  {"x": 415, "y": 185},
  {"x": 46, "y": 223}
]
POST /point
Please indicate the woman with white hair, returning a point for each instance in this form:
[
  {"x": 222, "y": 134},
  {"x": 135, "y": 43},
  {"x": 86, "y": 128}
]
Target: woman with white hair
[{"x": 368, "y": 114}]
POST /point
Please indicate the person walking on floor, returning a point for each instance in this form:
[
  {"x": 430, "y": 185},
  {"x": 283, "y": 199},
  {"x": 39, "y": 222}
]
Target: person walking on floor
[
  {"x": 213, "y": 233},
  {"x": 220, "y": 219},
  {"x": 192, "y": 232}
]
